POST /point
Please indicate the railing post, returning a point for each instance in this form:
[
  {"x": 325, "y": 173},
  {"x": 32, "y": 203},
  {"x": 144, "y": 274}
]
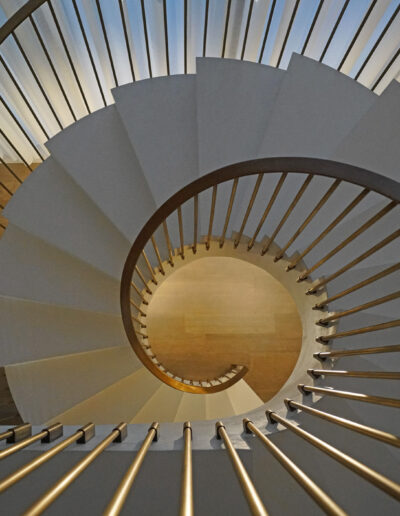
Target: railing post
[{"x": 186, "y": 508}]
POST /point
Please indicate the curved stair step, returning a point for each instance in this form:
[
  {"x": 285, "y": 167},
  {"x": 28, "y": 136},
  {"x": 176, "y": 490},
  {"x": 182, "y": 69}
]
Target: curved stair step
[
  {"x": 160, "y": 118},
  {"x": 118, "y": 402},
  {"x": 34, "y": 270},
  {"x": 243, "y": 398},
  {"x": 192, "y": 407},
  {"x": 234, "y": 101},
  {"x": 44, "y": 388},
  {"x": 106, "y": 168},
  {"x": 161, "y": 407},
  {"x": 218, "y": 405},
  {"x": 315, "y": 107},
  {"x": 77, "y": 226},
  {"x": 50, "y": 330}
]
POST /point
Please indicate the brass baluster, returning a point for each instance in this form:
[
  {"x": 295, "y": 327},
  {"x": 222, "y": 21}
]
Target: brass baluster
[
  {"x": 186, "y": 506},
  {"x": 229, "y": 211}
]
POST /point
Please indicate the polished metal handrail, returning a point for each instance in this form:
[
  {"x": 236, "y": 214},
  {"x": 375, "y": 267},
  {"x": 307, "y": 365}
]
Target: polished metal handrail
[
  {"x": 186, "y": 503},
  {"x": 118, "y": 500},
  {"x": 253, "y": 499},
  {"x": 51, "y": 495},
  {"x": 377, "y": 479},
  {"x": 317, "y": 494}
]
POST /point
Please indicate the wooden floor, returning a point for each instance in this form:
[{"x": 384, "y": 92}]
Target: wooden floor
[{"x": 216, "y": 312}]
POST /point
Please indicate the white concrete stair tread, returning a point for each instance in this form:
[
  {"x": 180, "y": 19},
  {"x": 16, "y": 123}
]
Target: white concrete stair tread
[
  {"x": 34, "y": 331},
  {"x": 374, "y": 141},
  {"x": 53, "y": 207},
  {"x": 44, "y": 388},
  {"x": 161, "y": 407},
  {"x": 218, "y": 405},
  {"x": 34, "y": 270},
  {"x": 160, "y": 118},
  {"x": 315, "y": 107},
  {"x": 107, "y": 168},
  {"x": 243, "y": 398},
  {"x": 118, "y": 402},
  {"x": 192, "y": 407},
  {"x": 234, "y": 101}
]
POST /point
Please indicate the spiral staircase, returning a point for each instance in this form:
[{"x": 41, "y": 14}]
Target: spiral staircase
[{"x": 293, "y": 171}]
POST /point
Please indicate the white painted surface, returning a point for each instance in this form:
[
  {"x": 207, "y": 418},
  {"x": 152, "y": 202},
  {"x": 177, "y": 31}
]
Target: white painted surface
[{"x": 160, "y": 118}]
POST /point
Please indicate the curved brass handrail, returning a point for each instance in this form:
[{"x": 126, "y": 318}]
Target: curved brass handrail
[{"x": 308, "y": 166}]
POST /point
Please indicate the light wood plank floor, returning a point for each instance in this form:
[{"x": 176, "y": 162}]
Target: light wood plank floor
[{"x": 218, "y": 311}]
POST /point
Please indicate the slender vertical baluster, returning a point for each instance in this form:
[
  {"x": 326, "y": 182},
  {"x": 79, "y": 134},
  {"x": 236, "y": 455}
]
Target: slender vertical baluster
[
  {"x": 181, "y": 239},
  {"x": 156, "y": 250},
  {"x": 382, "y": 34},
  {"x": 140, "y": 274},
  {"x": 118, "y": 500},
  {"x": 117, "y": 435},
  {"x": 23, "y": 96},
  {"x": 370, "y": 222},
  {"x": 205, "y": 27},
  {"x": 166, "y": 34},
  {"x": 64, "y": 44},
  {"x": 386, "y": 69},
  {"x": 146, "y": 38},
  {"x": 104, "y": 31},
  {"x": 249, "y": 208},
  {"x": 195, "y": 221},
  {"x": 246, "y": 32},
  {"x": 21, "y": 127},
  {"x": 252, "y": 497},
  {"x": 127, "y": 45},
  {"x": 137, "y": 308},
  {"x": 359, "y": 331},
  {"x": 378, "y": 480},
  {"x": 168, "y": 241},
  {"x": 267, "y": 209},
  {"x": 11, "y": 172},
  {"x": 138, "y": 321},
  {"x": 271, "y": 14},
  {"x": 229, "y": 211},
  {"x": 9, "y": 142},
  {"x": 6, "y": 189},
  {"x": 28, "y": 63},
  {"x": 51, "y": 64},
  {"x": 228, "y": 12},
  {"x": 365, "y": 306},
  {"x": 322, "y": 355},
  {"x": 185, "y": 31},
  {"x": 316, "y": 15},
  {"x": 343, "y": 10},
  {"x": 82, "y": 29},
  {"x": 376, "y": 375},
  {"x": 368, "y": 281},
  {"x": 212, "y": 213},
  {"x": 186, "y": 506},
  {"x": 316, "y": 493},
  {"x": 332, "y": 225},
  {"x": 354, "y": 262},
  {"x": 288, "y": 32},
  {"x": 288, "y": 212},
  {"x": 137, "y": 290},
  {"x": 149, "y": 267},
  {"x": 309, "y": 218}
]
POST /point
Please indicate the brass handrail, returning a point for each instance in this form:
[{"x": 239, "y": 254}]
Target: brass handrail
[
  {"x": 117, "y": 501},
  {"x": 368, "y": 281},
  {"x": 322, "y": 355},
  {"x": 380, "y": 435},
  {"x": 377, "y": 479},
  {"x": 82, "y": 436},
  {"x": 329, "y": 228},
  {"x": 377, "y": 375},
  {"x": 186, "y": 504},
  {"x": 54, "y": 431},
  {"x": 229, "y": 211},
  {"x": 370, "y": 222},
  {"x": 357, "y": 396},
  {"x": 359, "y": 331},
  {"x": 253, "y": 499},
  {"x": 365, "y": 306},
  {"x": 51, "y": 495},
  {"x": 317, "y": 494}
]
